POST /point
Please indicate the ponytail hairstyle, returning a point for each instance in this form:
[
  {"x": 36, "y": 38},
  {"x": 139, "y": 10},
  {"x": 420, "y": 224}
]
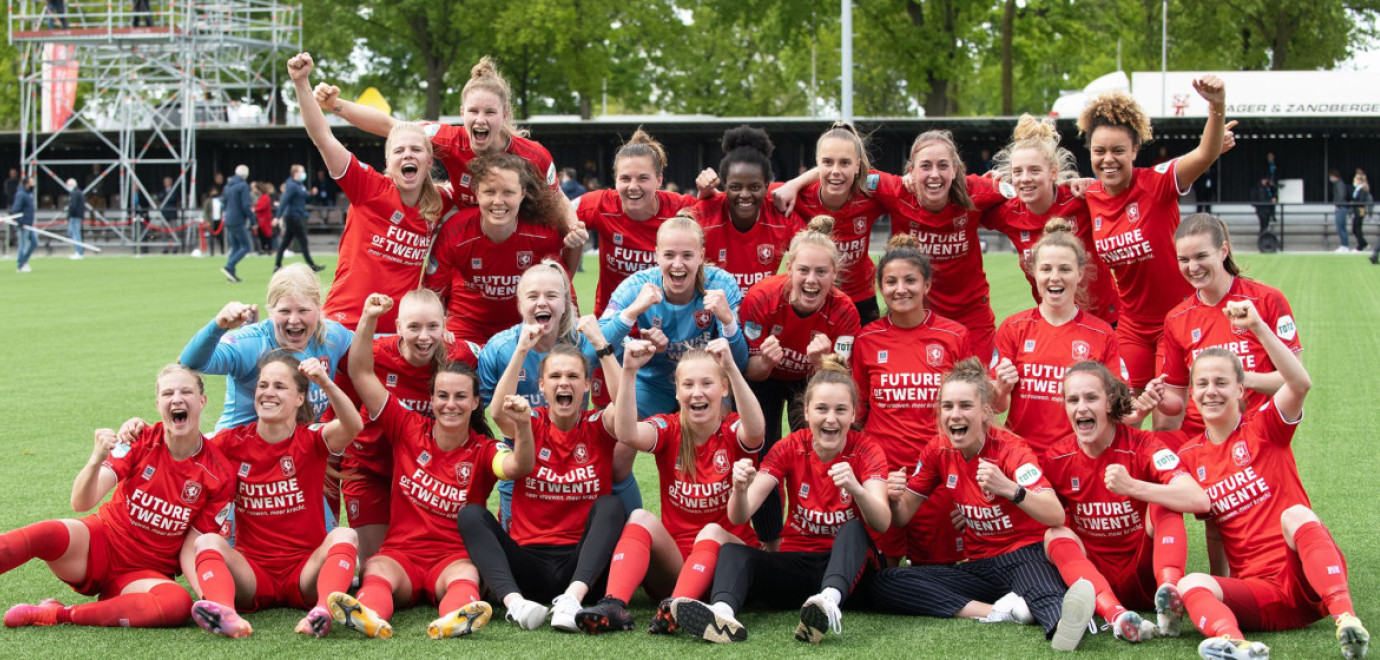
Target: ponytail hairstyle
[
  {"x": 1230, "y": 357},
  {"x": 819, "y": 233},
  {"x": 485, "y": 76},
  {"x": 1059, "y": 233},
  {"x": 298, "y": 281},
  {"x": 477, "y": 422},
  {"x": 750, "y": 145},
  {"x": 685, "y": 460},
  {"x": 833, "y": 370},
  {"x": 541, "y": 205},
  {"x": 426, "y": 297},
  {"x": 1040, "y": 135},
  {"x": 305, "y": 415},
  {"x": 429, "y": 204},
  {"x": 684, "y": 220},
  {"x": 1119, "y": 399},
  {"x": 642, "y": 145},
  {"x": 565, "y": 327},
  {"x": 175, "y": 367},
  {"x": 905, "y": 248},
  {"x": 958, "y": 190},
  {"x": 1117, "y": 110},
  {"x": 1216, "y": 230},
  {"x": 972, "y": 372},
  {"x": 842, "y": 130}
]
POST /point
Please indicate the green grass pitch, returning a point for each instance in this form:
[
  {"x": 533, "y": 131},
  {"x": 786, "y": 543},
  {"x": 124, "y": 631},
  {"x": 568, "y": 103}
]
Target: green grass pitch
[{"x": 81, "y": 341}]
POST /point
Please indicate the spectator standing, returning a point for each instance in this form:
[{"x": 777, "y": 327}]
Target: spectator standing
[
  {"x": 570, "y": 187},
  {"x": 239, "y": 209},
  {"x": 167, "y": 201},
  {"x": 292, "y": 209},
  {"x": 76, "y": 213},
  {"x": 142, "y": 11},
  {"x": 11, "y": 186},
  {"x": 213, "y": 221},
  {"x": 1264, "y": 196},
  {"x": 1339, "y": 197},
  {"x": 1361, "y": 200},
  {"x": 23, "y": 205},
  {"x": 1271, "y": 169},
  {"x": 325, "y": 190}
]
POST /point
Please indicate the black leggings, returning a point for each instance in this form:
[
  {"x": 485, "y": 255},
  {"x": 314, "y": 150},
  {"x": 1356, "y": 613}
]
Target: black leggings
[
  {"x": 541, "y": 572},
  {"x": 941, "y": 591},
  {"x": 783, "y": 580},
  {"x": 775, "y": 396},
  {"x": 1358, "y": 229},
  {"x": 294, "y": 228}
]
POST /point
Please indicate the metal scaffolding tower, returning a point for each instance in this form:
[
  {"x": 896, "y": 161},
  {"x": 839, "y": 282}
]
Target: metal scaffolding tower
[{"x": 153, "y": 76}]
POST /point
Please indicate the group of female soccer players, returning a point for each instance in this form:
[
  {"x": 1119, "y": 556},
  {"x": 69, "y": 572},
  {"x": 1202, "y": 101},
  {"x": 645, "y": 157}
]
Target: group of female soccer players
[{"x": 714, "y": 315}]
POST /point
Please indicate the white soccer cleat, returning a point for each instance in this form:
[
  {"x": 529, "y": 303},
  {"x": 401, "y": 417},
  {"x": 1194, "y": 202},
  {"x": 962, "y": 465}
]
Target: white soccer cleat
[
  {"x": 1226, "y": 648},
  {"x": 1010, "y": 607},
  {"x": 563, "y": 611},
  {"x": 1079, "y": 604}
]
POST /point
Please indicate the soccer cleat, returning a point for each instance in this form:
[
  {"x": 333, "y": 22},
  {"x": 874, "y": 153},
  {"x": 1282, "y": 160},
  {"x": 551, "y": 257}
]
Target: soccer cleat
[
  {"x": 663, "y": 623},
  {"x": 316, "y": 623},
  {"x": 711, "y": 624},
  {"x": 43, "y": 614},
  {"x": 563, "y": 609},
  {"x": 1129, "y": 626},
  {"x": 347, "y": 611},
  {"x": 1352, "y": 636},
  {"x": 1169, "y": 610},
  {"x": 608, "y": 615},
  {"x": 463, "y": 621},
  {"x": 1226, "y": 648},
  {"x": 819, "y": 616},
  {"x": 527, "y": 614},
  {"x": 1079, "y": 602},
  {"x": 219, "y": 619}
]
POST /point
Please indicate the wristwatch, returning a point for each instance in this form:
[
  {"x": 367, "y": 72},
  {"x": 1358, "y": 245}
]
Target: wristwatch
[
  {"x": 604, "y": 352},
  {"x": 1020, "y": 495}
]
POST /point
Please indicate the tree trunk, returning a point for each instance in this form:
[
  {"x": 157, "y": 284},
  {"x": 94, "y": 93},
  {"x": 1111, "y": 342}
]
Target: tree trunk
[
  {"x": 1008, "y": 26},
  {"x": 586, "y": 107}
]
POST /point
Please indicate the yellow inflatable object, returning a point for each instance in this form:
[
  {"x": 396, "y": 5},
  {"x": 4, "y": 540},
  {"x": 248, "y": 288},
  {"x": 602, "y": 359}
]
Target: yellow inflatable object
[{"x": 372, "y": 98}]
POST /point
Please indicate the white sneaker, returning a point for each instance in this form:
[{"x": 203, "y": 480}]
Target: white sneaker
[
  {"x": 527, "y": 614},
  {"x": 25, "y": 269},
  {"x": 75, "y": 257},
  {"x": 1010, "y": 607},
  {"x": 1342, "y": 249},
  {"x": 1079, "y": 605},
  {"x": 289, "y": 254},
  {"x": 819, "y": 615},
  {"x": 563, "y": 611}
]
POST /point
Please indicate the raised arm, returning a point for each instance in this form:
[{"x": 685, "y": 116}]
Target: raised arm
[
  {"x": 1192, "y": 164},
  {"x": 371, "y": 392},
  {"x": 1289, "y": 397},
  {"x": 203, "y": 351},
  {"x": 363, "y": 117},
  {"x": 516, "y": 413},
  {"x": 95, "y": 480},
  {"x": 528, "y": 335},
  {"x": 1181, "y": 494},
  {"x": 752, "y": 427},
  {"x": 595, "y": 343},
  {"x": 750, "y": 489},
  {"x": 638, "y": 435},
  {"x": 335, "y": 154},
  {"x": 341, "y": 431}
]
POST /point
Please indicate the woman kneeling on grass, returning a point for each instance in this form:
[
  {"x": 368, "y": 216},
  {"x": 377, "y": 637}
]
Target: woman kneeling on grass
[
  {"x": 440, "y": 464},
  {"x": 836, "y": 480},
  {"x": 170, "y": 486}
]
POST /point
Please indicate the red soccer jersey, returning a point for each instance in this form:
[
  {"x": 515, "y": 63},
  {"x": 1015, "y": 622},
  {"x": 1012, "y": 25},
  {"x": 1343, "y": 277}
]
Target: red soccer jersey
[
  {"x": 852, "y": 235},
  {"x": 689, "y": 503},
  {"x": 817, "y": 508},
  {"x": 767, "y": 312},
  {"x": 1251, "y": 479},
  {"x": 898, "y": 372},
  {"x": 1041, "y": 352},
  {"x": 1134, "y": 235},
  {"x": 369, "y": 452},
  {"x": 750, "y": 256},
  {"x": 574, "y": 468},
  {"x": 159, "y": 498},
  {"x": 478, "y": 278},
  {"x": 452, "y": 145},
  {"x": 1193, "y": 326},
  {"x": 278, "y": 497},
  {"x": 625, "y": 245},
  {"x": 1111, "y": 526},
  {"x": 382, "y": 250},
  {"x": 950, "y": 238},
  {"x": 995, "y": 526},
  {"x": 1025, "y": 228},
  {"x": 430, "y": 485}
]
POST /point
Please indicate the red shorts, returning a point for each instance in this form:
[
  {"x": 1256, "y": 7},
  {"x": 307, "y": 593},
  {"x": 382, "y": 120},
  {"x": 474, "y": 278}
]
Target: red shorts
[
  {"x": 277, "y": 585},
  {"x": 1137, "y": 340},
  {"x": 106, "y": 576},
  {"x": 367, "y": 498},
  {"x": 1132, "y": 579},
  {"x": 422, "y": 572},
  {"x": 1282, "y": 602}
]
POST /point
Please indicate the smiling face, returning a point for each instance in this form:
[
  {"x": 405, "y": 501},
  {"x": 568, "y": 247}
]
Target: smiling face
[
  {"x": 962, "y": 416},
  {"x": 421, "y": 326},
  {"x": 904, "y": 287},
  {"x": 408, "y": 159},
  {"x": 294, "y": 321},
  {"x": 499, "y": 196},
  {"x": 1057, "y": 275},
  {"x": 276, "y": 397},
  {"x": 746, "y": 189},
  {"x": 932, "y": 171},
  {"x": 1216, "y": 390},
  {"x": 1113, "y": 155},
  {"x": 812, "y": 275},
  {"x": 1033, "y": 177},
  {"x": 637, "y": 182},
  {"x": 484, "y": 119},
  {"x": 679, "y": 255},
  {"x": 700, "y": 390},
  {"x": 839, "y": 163},
  {"x": 564, "y": 381},
  {"x": 829, "y": 413},
  {"x": 1088, "y": 408},
  {"x": 1201, "y": 263},
  {"x": 541, "y": 299},
  {"x": 180, "y": 402},
  {"x": 453, "y": 399}
]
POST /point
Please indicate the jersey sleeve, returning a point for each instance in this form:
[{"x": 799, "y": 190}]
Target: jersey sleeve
[
  {"x": 1021, "y": 466},
  {"x": 359, "y": 181},
  {"x": 445, "y": 139},
  {"x": 889, "y": 190},
  {"x": 393, "y": 419},
  {"x": 925, "y": 478},
  {"x": 1172, "y": 360},
  {"x": 464, "y": 351},
  {"x": 124, "y": 465},
  {"x": 862, "y": 381},
  {"x": 1164, "y": 180},
  {"x": 753, "y": 315},
  {"x": 440, "y": 266},
  {"x": 1158, "y": 463},
  {"x": 871, "y": 464},
  {"x": 983, "y": 192},
  {"x": 849, "y": 326},
  {"x": 1005, "y": 345},
  {"x": 1281, "y": 319},
  {"x": 778, "y": 461},
  {"x": 216, "y": 509},
  {"x": 1273, "y": 428},
  {"x": 665, "y": 434}
]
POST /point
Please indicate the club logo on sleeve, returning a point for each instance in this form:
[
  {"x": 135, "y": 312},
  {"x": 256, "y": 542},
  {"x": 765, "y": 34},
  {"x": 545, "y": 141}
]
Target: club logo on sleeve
[
  {"x": 432, "y": 129},
  {"x": 1074, "y": 485},
  {"x": 524, "y": 259},
  {"x": 1240, "y": 453},
  {"x": 286, "y": 464},
  {"x": 551, "y": 174},
  {"x": 860, "y": 224},
  {"x": 1166, "y": 459},
  {"x": 617, "y": 239},
  {"x": 148, "y": 472},
  {"x": 660, "y": 422},
  {"x": 1164, "y": 167},
  {"x": 1285, "y": 328},
  {"x": 224, "y": 513},
  {"x": 873, "y": 180},
  {"x": 752, "y": 330},
  {"x": 424, "y": 458},
  {"x": 191, "y": 491},
  {"x": 1081, "y": 350},
  {"x": 1007, "y": 190},
  {"x": 703, "y": 318},
  {"x": 1027, "y": 474},
  {"x": 463, "y": 473},
  {"x": 765, "y": 252},
  {"x": 721, "y": 461},
  {"x": 1133, "y": 212},
  {"x": 581, "y": 453},
  {"x": 244, "y": 469},
  {"x": 934, "y": 355}
]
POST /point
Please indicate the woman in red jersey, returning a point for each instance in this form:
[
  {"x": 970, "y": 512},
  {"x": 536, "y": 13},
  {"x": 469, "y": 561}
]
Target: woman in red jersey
[
  {"x": 1037, "y": 171},
  {"x": 1124, "y": 494},
  {"x": 283, "y": 555},
  {"x": 791, "y": 321},
  {"x": 481, "y": 252},
  {"x": 743, "y": 233},
  {"x": 1205, "y": 260},
  {"x": 440, "y": 464},
  {"x": 170, "y": 486},
  {"x": 695, "y": 451},
  {"x": 392, "y": 213},
  {"x": 565, "y": 519},
  {"x": 1135, "y": 211},
  {"x": 898, "y": 363},
  {"x": 940, "y": 209},
  {"x": 841, "y": 185},
  {"x": 1007, "y": 504},
  {"x": 1286, "y": 570},
  {"x": 836, "y": 480},
  {"x": 1035, "y": 346}
]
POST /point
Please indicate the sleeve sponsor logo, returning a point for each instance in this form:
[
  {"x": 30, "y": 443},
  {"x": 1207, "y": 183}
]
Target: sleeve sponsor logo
[
  {"x": 1285, "y": 328},
  {"x": 752, "y": 330},
  {"x": 660, "y": 423},
  {"x": 1164, "y": 167},
  {"x": 1027, "y": 474},
  {"x": 551, "y": 174},
  {"x": 873, "y": 180},
  {"x": 1007, "y": 190},
  {"x": 1166, "y": 459},
  {"x": 432, "y": 129},
  {"x": 844, "y": 346}
]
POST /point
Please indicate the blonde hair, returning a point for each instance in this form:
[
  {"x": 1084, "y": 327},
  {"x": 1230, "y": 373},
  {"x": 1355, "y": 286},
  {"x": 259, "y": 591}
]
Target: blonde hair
[
  {"x": 484, "y": 76},
  {"x": 299, "y": 281},
  {"x": 642, "y": 145},
  {"x": 819, "y": 233},
  {"x": 842, "y": 130},
  {"x": 686, "y": 457},
  {"x": 175, "y": 367},
  {"x": 958, "y": 189},
  {"x": 684, "y": 220},
  {"x": 1118, "y": 110},
  {"x": 971, "y": 371},
  {"x": 1040, "y": 135},
  {"x": 565, "y": 328},
  {"x": 427, "y": 298},
  {"x": 429, "y": 204}
]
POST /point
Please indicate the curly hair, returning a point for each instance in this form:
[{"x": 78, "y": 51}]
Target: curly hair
[
  {"x": 747, "y": 144},
  {"x": 540, "y": 204},
  {"x": 1118, "y": 110},
  {"x": 1119, "y": 398}
]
